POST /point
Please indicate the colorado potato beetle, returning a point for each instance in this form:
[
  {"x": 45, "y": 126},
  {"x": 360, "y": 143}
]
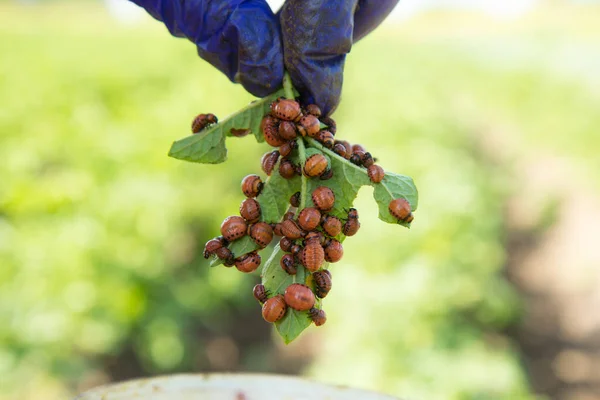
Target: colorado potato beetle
[
  {"x": 260, "y": 293},
  {"x": 358, "y": 148},
  {"x": 296, "y": 250},
  {"x": 326, "y": 138},
  {"x": 322, "y": 281},
  {"x": 332, "y": 225},
  {"x": 295, "y": 199},
  {"x": 348, "y": 147},
  {"x": 212, "y": 246},
  {"x": 376, "y": 173},
  {"x": 340, "y": 149},
  {"x": 248, "y": 262},
  {"x": 287, "y": 148},
  {"x": 400, "y": 209},
  {"x": 261, "y": 233},
  {"x": 319, "y": 317},
  {"x": 299, "y": 297},
  {"x": 312, "y": 256},
  {"x": 291, "y": 230},
  {"x": 252, "y": 185},
  {"x": 286, "y": 244},
  {"x": 334, "y": 251},
  {"x": 286, "y": 109},
  {"x": 287, "y": 169},
  {"x": 250, "y": 210},
  {"x": 367, "y": 159},
  {"x": 309, "y": 218},
  {"x": 313, "y": 109},
  {"x": 270, "y": 129},
  {"x": 274, "y": 309},
  {"x": 313, "y": 236},
  {"x": 352, "y": 225},
  {"x": 315, "y": 165},
  {"x": 356, "y": 159},
  {"x": 268, "y": 161},
  {"x": 233, "y": 228},
  {"x": 309, "y": 125},
  {"x": 273, "y": 139},
  {"x": 288, "y": 264},
  {"x": 202, "y": 121},
  {"x": 226, "y": 255},
  {"x": 287, "y": 130},
  {"x": 323, "y": 198}
]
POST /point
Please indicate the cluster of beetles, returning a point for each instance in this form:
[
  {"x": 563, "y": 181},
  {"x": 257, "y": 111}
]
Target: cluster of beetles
[{"x": 308, "y": 235}]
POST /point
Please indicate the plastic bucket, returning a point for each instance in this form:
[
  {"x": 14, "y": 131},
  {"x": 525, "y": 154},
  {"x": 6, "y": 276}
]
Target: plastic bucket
[{"x": 227, "y": 387}]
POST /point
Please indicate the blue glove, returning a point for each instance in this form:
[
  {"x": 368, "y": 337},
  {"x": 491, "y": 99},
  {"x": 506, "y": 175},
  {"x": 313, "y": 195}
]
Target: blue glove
[{"x": 246, "y": 41}]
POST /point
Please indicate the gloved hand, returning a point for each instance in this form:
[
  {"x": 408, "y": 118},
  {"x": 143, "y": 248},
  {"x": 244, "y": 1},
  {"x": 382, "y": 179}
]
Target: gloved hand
[{"x": 251, "y": 45}]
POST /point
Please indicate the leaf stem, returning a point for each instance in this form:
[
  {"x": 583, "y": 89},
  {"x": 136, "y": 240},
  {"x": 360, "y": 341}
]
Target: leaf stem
[
  {"x": 288, "y": 88},
  {"x": 303, "y": 190},
  {"x": 324, "y": 149},
  {"x": 304, "y": 179}
]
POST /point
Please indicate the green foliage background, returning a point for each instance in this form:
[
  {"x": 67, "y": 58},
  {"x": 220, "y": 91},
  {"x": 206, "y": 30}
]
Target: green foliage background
[{"x": 101, "y": 233}]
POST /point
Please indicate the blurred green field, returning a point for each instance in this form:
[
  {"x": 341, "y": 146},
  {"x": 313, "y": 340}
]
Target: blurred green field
[{"x": 101, "y": 234}]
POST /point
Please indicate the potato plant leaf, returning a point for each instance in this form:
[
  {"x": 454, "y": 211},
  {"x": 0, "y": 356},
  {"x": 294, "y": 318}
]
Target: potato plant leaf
[
  {"x": 348, "y": 179},
  {"x": 292, "y": 325},
  {"x": 276, "y": 280},
  {"x": 208, "y": 147},
  {"x": 238, "y": 248},
  {"x": 274, "y": 199},
  {"x": 205, "y": 148},
  {"x": 392, "y": 187}
]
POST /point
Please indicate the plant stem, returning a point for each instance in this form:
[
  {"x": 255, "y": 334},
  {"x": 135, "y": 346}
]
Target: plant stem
[
  {"x": 288, "y": 88},
  {"x": 304, "y": 179}
]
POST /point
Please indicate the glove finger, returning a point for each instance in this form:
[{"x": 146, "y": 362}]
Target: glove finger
[
  {"x": 256, "y": 31},
  {"x": 240, "y": 38},
  {"x": 369, "y": 14},
  {"x": 317, "y": 35}
]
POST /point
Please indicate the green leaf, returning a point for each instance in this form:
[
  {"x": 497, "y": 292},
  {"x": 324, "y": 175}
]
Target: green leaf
[
  {"x": 274, "y": 199},
  {"x": 393, "y": 187},
  {"x": 238, "y": 248},
  {"x": 292, "y": 324},
  {"x": 276, "y": 280},
  {"x": 348, "y": 179},
  {"x": 205, "y": 148},
  {"x": 208, "y": 147}
]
